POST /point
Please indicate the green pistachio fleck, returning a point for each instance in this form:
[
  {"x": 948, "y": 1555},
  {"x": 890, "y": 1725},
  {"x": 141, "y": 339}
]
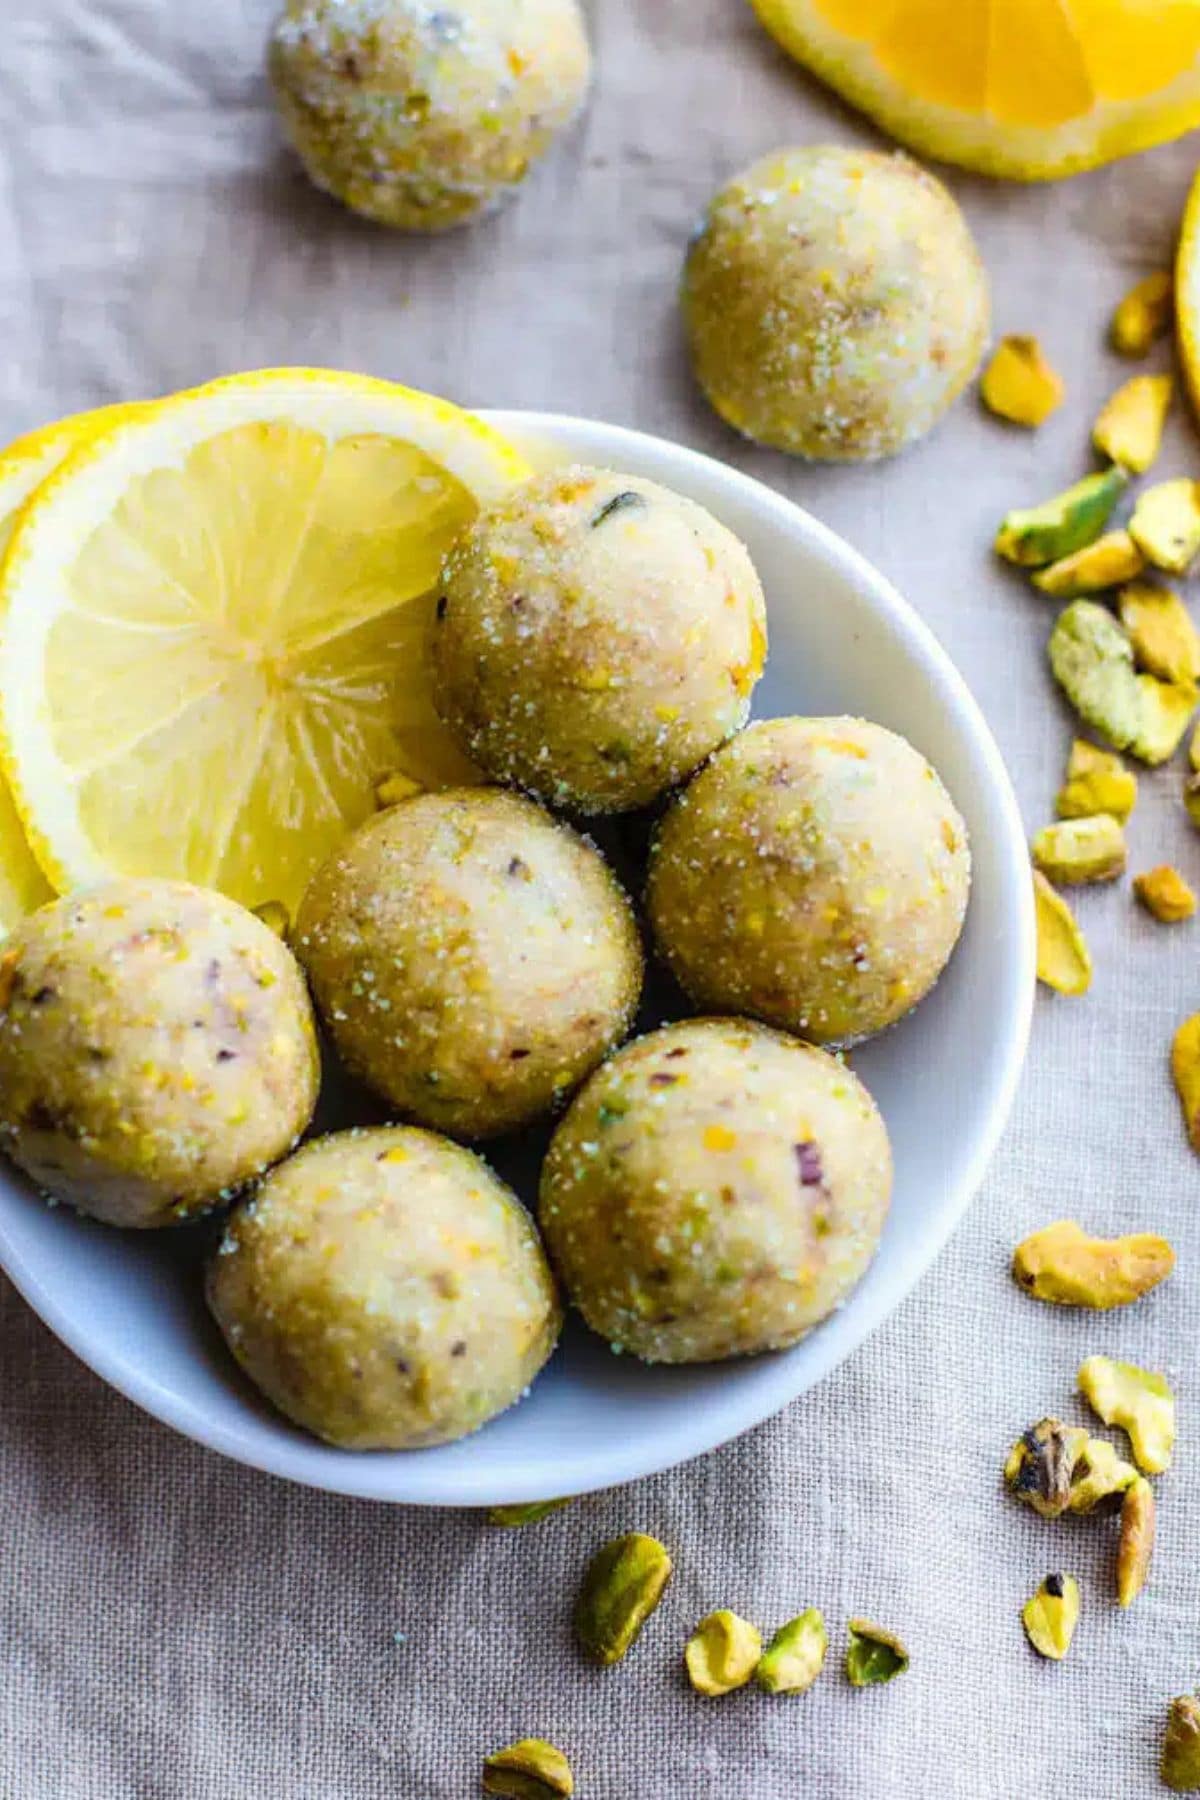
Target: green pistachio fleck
[
  {"x": 1180, "y": 1766},
  {"x": 795, "y": 1656},
  {"x": 722, "y": 1653},
  {"x": 874, "y": 1656},
  {"x": 528, "y": 1514},
  {"x": 1051, "y": 1616},
  {"x": 623, "y": 1585},
  {"x": 529, "y": 1770},
  {"x": 1042, "y": 534}
]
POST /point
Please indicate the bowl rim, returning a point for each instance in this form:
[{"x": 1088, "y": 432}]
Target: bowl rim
[{"x": 372, "y": 1476}]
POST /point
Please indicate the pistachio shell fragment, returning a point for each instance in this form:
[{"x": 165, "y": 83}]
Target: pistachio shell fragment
[
  {"x": 1064, "y": 962},
  {"x": 529, "y": 1770},
  {"x": 1180, "y": 1765},
  {"x": 274, "y": 915},
  {"x": 1062, "y": 1265},
  {"x": 530, "y": 1513},
  {"x": 1135, "y": 1545},
  {"x": 1051, "y": 1616},
  {"x": 1100, "y": 1473},
  {"x": 722, "y": 1653},
  {"x": 623, "y": 1585},
  {"x": 1185, "y": 1068},
  {"x": 393, "y": 787},
  {"x": 874, "y": 1656},
  {"x": 1166, "y": 524},
  {"x": 1076, "y": 851},
  {"x": 1165, "y": 642},
  {"x": 795, "y": 1656},
  {"x": 1041, "y": 1463},
  {"x": 1092, "y": 660},
  {"x": 1097, "y": 782},
  {"x": 1144, "y": 314},
  {"x": 1019, "y": 384},
  {"x": 1112, "y": 559},
  {"x": 1130, "y": 426},
  {"x": 1165, "y": 894},
  {"x": 1137, "y": 1400},
  {"x": 1036, "y": 535}
]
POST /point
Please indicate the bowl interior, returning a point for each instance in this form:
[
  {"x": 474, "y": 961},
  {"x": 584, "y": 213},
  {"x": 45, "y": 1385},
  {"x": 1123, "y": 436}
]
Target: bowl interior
[{"x": 841, "y": 641}]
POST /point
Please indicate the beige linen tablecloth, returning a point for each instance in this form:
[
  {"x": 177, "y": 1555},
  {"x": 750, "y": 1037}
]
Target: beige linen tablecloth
[{"x": 174, "y": 1627}]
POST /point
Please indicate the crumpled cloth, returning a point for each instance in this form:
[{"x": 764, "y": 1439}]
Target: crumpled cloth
[{"x": 179, "y": 1628}]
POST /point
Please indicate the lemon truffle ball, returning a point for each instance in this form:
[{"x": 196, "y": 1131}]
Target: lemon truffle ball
[
  {"x": 385, "y": 1290},
  {"x": 814, "y": 875},
  {"x": 157, "y": 1050},
  {"x": 423, "y": 115},
  {"x": 596, "y": 638},
  {"x": 716, "y": 1189},
  {"x": 472, "y": 958},
  {"x": 835, "y": 303}
]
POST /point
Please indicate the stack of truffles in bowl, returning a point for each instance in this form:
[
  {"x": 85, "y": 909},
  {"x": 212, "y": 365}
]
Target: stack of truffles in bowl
[{"x": 712, "y": 1189}]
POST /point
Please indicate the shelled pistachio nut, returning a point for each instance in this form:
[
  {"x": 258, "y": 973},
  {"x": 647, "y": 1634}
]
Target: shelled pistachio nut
[
  {"x": 795, "y": 1656},
  {"x": 1036, "y": 535},
  {"x": 1137, "y": 1400},
  {"x": 722, "y": 1653},
  {"x": 1051, "y": 1615},
  {"x": 1062, "y": 1265},
  {"x": 529, "y": 1770},
  {"x": 873, "y": 1655},
  {"x": 623, "y": 1585}
]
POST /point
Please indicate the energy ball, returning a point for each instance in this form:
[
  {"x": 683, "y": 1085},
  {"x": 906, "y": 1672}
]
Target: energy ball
[
  {"x": 716, "y": 1189},
  {"x": 472, "y": 958},
  {"x": 835, "y": 303},
  {"x": 426, "y": 116},
  {"x": 596, "y": 638},
  {"x": 385, "y": 1290},
  {"x": 157, "y": 1050},
  {"x": 814, "y": 875}
]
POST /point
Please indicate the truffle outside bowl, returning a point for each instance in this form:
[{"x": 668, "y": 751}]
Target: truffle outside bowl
[{"x": 842, "y": 640}]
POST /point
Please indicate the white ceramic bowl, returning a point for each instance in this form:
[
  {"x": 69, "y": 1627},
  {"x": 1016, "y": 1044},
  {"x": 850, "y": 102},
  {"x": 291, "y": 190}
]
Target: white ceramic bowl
[{"x": 842, "y": 640}]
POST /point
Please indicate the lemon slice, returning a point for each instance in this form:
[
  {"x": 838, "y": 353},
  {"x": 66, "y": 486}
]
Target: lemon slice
[
  {"x": 215, "y": 621},
  {"x": 24, "y": 465},
  {"x": 1187, "y": 293},
  {"x": 1025, "y": 88}
]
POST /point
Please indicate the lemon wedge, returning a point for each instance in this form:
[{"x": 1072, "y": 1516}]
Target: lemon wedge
[
  {"x": 1187, "y": 292},
  {"x": 213, "y": 624},
  {"x": 24, "y": 465},
  {"x": 1025, "y": 88}
]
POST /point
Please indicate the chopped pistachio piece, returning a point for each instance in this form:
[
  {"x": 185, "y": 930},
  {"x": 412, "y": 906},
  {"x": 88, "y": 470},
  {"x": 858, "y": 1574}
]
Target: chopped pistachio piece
[
  {"x": 394, "y": 787},
  {"x": 274, "y": 915},
  {"x": 1019, "y": 384},
  {"x": 1051, "y": 1616},
  {"x": 1062, "y": 1265},
  {"x": 530, "y": 1513},
  {"x": 1130, "y": 426},
  {"x": 722, "y": 1653},
  {"x": 1100, "y": 1473},
  {"x": 1064, "y": 962},
  {"x": 1137, "y": 1400},
  {"x": 623, "y": 1585},
  {"x": 1092, "y": 660},
  {"x": 1108, "y": 562},
  {"x": 1075, "y": 851},
  {"x": 1097, "y": 782},
  {"x": 1166, "y": 524},
  {"x": 529, "y": 1770},
  {"x": 1165, "y": 894},
  {"x": 1185, "y": 1068},
  {"x": 1036, "y": 535},
  {"x": 1144, "y": 314},
  {"x": 795, "y": 1656},
  {"x": 1135, "y": 1545},
  {"x": 1165, "y": 642},
  {"x": 874, "y": 1656},
  {"x": 1180, "y": 1765},
  {"x": 1041, "y": 1463}
]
